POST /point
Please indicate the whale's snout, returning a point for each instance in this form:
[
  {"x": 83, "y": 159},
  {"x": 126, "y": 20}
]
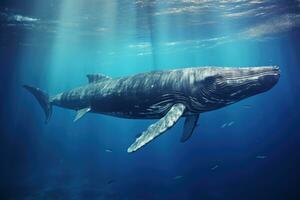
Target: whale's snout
[
  {"x": 239, "y": 83},
  {"x": 270, "y": 77}
]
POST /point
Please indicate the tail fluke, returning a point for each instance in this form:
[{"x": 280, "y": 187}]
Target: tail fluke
[{"x": 43, "y": 99}]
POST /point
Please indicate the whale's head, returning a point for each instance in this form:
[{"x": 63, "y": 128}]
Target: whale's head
[{"x": 228, "y": 85}]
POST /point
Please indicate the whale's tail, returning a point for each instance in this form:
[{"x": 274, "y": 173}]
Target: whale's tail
[{"x": 43, "y": 99}]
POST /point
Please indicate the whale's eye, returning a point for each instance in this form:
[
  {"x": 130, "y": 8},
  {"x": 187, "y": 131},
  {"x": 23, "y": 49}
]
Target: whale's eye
[
  {"x": 214, "y": 82},
  {"x": 210, "y": 80}
]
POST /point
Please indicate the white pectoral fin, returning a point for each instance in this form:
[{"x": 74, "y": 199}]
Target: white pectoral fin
[
  {"x": 159, "y": 127},
  {"x": 189, "y": 127},
  {"x": 81, "y": 112}
]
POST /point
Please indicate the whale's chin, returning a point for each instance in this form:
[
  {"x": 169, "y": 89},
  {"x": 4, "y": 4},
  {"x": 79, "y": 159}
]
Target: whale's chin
[
  {"x": 245, "y": 82},
  {"x": 268, "y": 81}
]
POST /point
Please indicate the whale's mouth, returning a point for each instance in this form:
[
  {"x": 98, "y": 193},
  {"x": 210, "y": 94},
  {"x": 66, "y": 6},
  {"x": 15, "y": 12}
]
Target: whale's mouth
[
  {"x": 245, "y": 82},
  {"x": 270, "y": 78}
]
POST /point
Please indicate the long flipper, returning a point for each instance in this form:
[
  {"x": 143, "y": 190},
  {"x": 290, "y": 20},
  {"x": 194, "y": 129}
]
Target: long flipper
[
  {"x": 189, "y": 127},
  {"x": 159, "y": 127}
]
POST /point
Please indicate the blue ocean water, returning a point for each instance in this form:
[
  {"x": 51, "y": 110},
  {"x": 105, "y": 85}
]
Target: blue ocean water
[{"x": 53, "y": 44}]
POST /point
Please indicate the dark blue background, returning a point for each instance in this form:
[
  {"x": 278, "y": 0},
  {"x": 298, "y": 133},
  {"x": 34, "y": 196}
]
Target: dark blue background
[{"x": 66, "y": 160}]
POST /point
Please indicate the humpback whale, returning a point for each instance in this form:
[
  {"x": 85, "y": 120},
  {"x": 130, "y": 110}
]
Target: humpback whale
[{"x": 163, "y": 95}]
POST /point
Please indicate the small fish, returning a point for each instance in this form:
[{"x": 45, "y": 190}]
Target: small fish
[
  {"x": 108, "y": 150},
  {"x": 224, "y": 125},
  {"x": 261, "y": 157},
  {"x": 230, "y": 123},
  {"x": 109, "y": 182},
  {"x": 178, "y": 177},
  {"x": 214, "y": 167}
]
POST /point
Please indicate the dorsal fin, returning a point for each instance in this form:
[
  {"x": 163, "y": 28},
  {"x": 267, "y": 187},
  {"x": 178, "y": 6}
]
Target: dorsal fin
[{"x": 93, "y": 78}]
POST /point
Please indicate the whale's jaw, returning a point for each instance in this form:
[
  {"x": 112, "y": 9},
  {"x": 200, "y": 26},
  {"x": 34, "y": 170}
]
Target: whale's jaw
[
  {"x": 223, "y": 86},
  {"x": 269, "y": 78},
  {"x": 249, "y": 82}
]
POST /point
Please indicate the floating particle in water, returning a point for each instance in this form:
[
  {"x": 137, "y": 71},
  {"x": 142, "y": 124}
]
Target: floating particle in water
[
  {"x": 178, "y": 177},
  {"x": 111, "y": 181},
  {"x": 108, "y": 150},
  {"x": 224, "y": 125},
  {"x": 247, "y": 106},
  {"x": 230, "y": 123},
  {"x": 261, "y": 157}
]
